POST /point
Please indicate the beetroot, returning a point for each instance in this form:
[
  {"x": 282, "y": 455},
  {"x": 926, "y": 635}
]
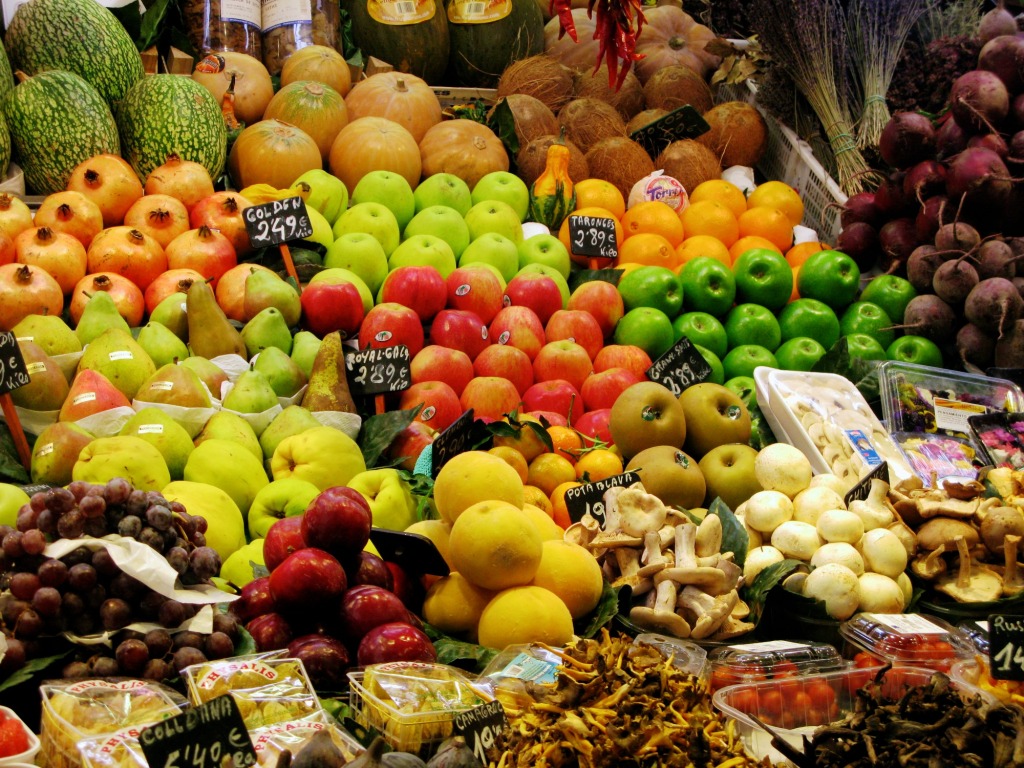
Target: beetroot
[
  {"x": 996, "y": 23},
  {"x": 860, "y": 207},
  {"x": 907, "y": 139},
  {"x": 994, "y": 304},
  {"x": 979, "y": 176},
  {"x": 957, "y": 236},
  {"x": 979, "y": 100},
  {"x": 925, "y": 179},
  {"x": 921, "y": 266},
  {"x": 1004, "y": 57},
  {"x": 1010, "y": 347},
  {"x": 1018, "y": 283},
  {"x": 859, "y": 241},
  {"x": 1017, "y": 110},
  {"x": 929, "y": 218},
  {"x": 929, "y": 316},
  {"x": 950, "y": 139},
  {"x": 992, "y": 141},
  {"x": 996, "y": 259},
  {"x": 890, "y": 199},
  {"x": 953, "y": 280},
  {"x": 897, "y": 239},
  {"x": 976, "y": 347}
]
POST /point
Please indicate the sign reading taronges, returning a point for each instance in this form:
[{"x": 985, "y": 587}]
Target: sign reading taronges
[
  {"x": 1006, "y": 646},
  {"x": 593, "y": 236},
  {"x": 13, "y": 371},
  {"x": 212, "y": 735},
  {"x": 378, "y": 370},
  {"x": 683, "y": 123},
  {"x": 456, "y": 438},
  {"x": 277, "y": 222},
  {"x": 680, "y": 367},
  {"x": 480, "y": 727},
  {"x": 589, "y": 497}
]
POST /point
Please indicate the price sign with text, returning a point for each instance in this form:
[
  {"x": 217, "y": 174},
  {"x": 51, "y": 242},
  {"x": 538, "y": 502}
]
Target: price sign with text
[
  {"x": 862, "y": 489},
  {"x": 212, "y": 735},
  {"x": 680, "y": 368},
  {"x": 13, "y": 371},
  {"x": 377, "y": 371},
  {"x": 1006, "y": 647},
  {"x": 682, "y": 123},
  {"x": 277, "y": 222},
  {"x": 457, "y": 437},
  {"x": 480, "y": 727},
  {"x": 593, "y": 236},
  {"x": 589, "y": 497}
]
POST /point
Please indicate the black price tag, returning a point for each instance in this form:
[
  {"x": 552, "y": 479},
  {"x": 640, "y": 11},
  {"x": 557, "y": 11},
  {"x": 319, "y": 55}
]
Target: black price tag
[
  {"x": 1006, "y": 647},
  {"x": 379, "y": 370},
  {"x": 862, "y": 489},
  {"x": 457, "y": 437},
  {"x": 13, "y": 371},
  {"x": 277, "y": 222},
  {"x": 683, "y": 123},
  {"x": 212, "y": 735},
  {"x": 680, "y": 368},
  {"x": 589, "y": 497},
  {"x": 480, "y": 727},
  {"x": 414, "y": 552},
  {"x": 593, "y": 236}
]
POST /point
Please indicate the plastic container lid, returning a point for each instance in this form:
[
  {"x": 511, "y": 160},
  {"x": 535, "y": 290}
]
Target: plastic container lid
[
  {"x": 685, "y": 655},
  {"x": 755, "y": 661},
  {"x": 28, "y": 756},
  {"x": 975, "y": 631},
  {"x": 906, "y": 638}
]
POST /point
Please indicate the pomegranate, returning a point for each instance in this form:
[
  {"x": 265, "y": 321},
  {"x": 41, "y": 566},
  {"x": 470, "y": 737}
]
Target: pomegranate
[
  {"x": 171, "y": 281},
  {"x": 8, "y": 254},
  {"x": 205, "y": 250},
  {"x": 25, "y": 291},
  {"x": 184, "y": 180},
  {"x": 223, "y": 211},
  {"x": 231, "y": 290},
  {"x": 128, "y": 252},
  {"x": 110, "y": 182},
  {"x": 162, "y": 217},
  {"x": 15, "y": 215},
  {"x": 70, "y": 212},
  {"x": 126, "y": 295},
  {"x": 60, "y": 254}
]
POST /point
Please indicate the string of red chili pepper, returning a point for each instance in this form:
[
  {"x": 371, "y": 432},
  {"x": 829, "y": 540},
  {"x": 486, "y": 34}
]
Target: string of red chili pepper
[
  {"x": 614, "y": 29},
  {"x": 565, "y": 23}
]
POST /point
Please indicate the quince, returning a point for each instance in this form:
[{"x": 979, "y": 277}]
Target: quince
[
  {"x": 287, "y": 497},
  {"x": 11, "y": 500},
  {"x": 389, "y": 497},
  {"x": 323, "y": 456},
  {"x": 132, "y": 458},
  {"x": 225, "y": 530},
  {"x": 229, "y": 466},
  {"x": 238, "y": 568}
]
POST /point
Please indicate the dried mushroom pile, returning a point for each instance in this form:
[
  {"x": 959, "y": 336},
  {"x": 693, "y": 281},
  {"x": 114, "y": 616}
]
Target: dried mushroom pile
[{"x": 619, "y": 704}]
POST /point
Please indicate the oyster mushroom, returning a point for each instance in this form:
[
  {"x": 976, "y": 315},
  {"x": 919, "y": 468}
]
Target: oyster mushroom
[
  {"x": 936, "y": 537},
  {"x": 998, "y": 523},
  {"x": 709, "y": 536},
  {"x": 687, "y": 570},
  {"x": 660, "y": 614},
  {"x": 710, "y": 611},
  {"x": 1013, "y": 580},
  {"x": 973, "y": 583},
  {"x": 652, "y": 558}
]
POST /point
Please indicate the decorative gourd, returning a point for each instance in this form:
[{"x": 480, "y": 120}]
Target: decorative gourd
[
  {"x": 272, "y": 152},
  {"x": 402, "y": 98},
  {"x": 374, "y": 144},
  {"x": 320, "y": 63},
  {"x": 465, "y": 148},
  {"x": 316, "y": 108},
  {"x": 552, "y": 195},
  {"x": 672, "y": 36}
]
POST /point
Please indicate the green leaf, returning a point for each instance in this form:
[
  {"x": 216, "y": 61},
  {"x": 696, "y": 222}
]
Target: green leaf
[
  {"x": 734, "y": 533},
  {"x": 259, "y": 570},
  {"x": 607, "y": 607},
  {"x": 245, "y": 644},
  {"x": 450, "y": 650},
  {"x": 577, "y": 278},
  {"x": 503, "y": 123},
  {"x": 756, "y": 593},
  {"x": 761, "y": 434},
  {"x": 152, "y": 24},
  {"x": 11, "y": 470},
  {"x": 693, "y": 518},
  {"x": 29, "y": 670},
  {"x": 336, "y": 708},
  {"x": 380, "y": 430}
]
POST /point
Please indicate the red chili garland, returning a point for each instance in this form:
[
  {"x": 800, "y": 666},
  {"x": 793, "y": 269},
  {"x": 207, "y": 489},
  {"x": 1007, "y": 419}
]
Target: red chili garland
[{"x": 613, "y": 28}]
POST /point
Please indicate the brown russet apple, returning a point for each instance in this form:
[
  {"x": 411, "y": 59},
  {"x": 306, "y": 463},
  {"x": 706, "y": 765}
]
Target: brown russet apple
[
  {"x": 729, "y": 474},
  {"x": 645, "y": 415},
  {"x": 671, "y": 475},
  {"x": 715, "y": 415}
]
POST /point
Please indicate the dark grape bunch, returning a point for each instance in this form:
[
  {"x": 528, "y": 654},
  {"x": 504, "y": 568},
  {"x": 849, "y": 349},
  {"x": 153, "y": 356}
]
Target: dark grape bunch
[{"x": 86, "y": 593}]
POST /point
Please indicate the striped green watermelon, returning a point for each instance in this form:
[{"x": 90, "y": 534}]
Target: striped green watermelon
[
  {"x": 6, "y": 76},
  {"x": 79, "y": 36},
  {"x": 166, "y": 114},
  {"x": 5, "y": 147},
  {"x": 57, "y": 120}
]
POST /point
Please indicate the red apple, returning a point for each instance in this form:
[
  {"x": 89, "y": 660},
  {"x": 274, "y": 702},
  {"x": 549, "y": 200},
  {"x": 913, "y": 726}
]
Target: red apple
[
  {"x": 390, "y": 324},
  {"x": 602, "y": 389},
  {"x": 283, "y": 537},
  {"x": 254, "y": 600},
  {"x": 328, "y": 307},
  {"x": 365, "y": 607},
  {"x": 563, "y": 360},
  {"x": 440, "y": 403},
  {"x": 518, "y": 327},
  {"x": 626, "y": 356},
  {"x": 476, "y": 289},
  {"x": 556, "y": 395},
  {"x": 408, "y": 588},
  {"x": 437, "y": 363},
  {"x": 602, "y": 300},
  {"x": 369, "y": 569},
  {"x": 536, "y": 291},
  {"x": 309, "y": 578},
  {"x": 575, "y": 325},
  {"x": 409, "y": 444},
  {"x": 325, "y": 658},
  {"x": 270, "y": 631},
  {"x": 554, "y": 419},
  {"x": 396, "y": 641},
  {"x": 338, "y": 521},
  {"x": 507, "y": 362},
  {"x": 490, "y": 396},
  {"x": 460, "y": 329},
  {"x": 593, "y": 425},
  {"x": 418, "y": 287}
]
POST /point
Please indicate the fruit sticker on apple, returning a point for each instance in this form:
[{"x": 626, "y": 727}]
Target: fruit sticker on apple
[{"x": 679, "y": 368}]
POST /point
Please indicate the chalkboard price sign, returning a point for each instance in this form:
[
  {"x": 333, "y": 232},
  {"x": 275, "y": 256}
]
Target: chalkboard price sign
[
  {"x": 593, "y": 236},
  {"x": 683, "y": 123},
  {"x": 456, "y": 438},
  {"x": 1006, "y": 646},
  {"x": 212, "y": 735},
  {"x": 13, "y": 371},
  {"x": 589, "y": 497},
  {"x": 480, "y": 727},
  {"x": 379, "y": 370},
  {"x": 277, "y": 222},
  {"x": 862, "y": 489},
  {"x": 680, "y": 368}
]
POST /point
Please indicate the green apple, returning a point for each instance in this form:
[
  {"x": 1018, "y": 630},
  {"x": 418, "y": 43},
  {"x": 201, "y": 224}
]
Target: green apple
[
  {"x": 729, "y": 474},
  {"x": 799, "y": 354},
  {"x": 869, "y": 318},
  {"x": 323, "y": 234},
  {"x": 752, "y": 324},
  {"x": 12, "y": 498},
  {"x": 336, "y": 275},
  {"x": 703, "y": 329},
  {"x": 443, "y": 189},
  {"x": 389, "y": 189},
  {"x": 744, "y": 387},
  {"x": 506, "y": 187},
  {"x": 708, "y": 286},
  {"x": 717, "y": 369},
  {"x": 809, "y": 317},
  {"x": 327, "y": 193},
  {"x": 742, "y": 360},
  {"x": 864, "y": 346},
  {"x": 554, "y": 274},
  {"x": 441, "y": 221},
  {"x": 494, "y": 216},
  {"x": 915, "y": 349},
  {"x": 763, "y": 277},
  {"x": 829, "y": 276},
  {"x": 652, "y": 286},
  {"x": 361, "y": 253},
  {"x": 373, "y": 219},
  {"x": 238, "y": 568},
  {"x": 892, "y": 293},
  {"x": 497, "y": 250},
  {"x": 714, "y": 416},
  {"x": 287, "y": 497},
  {"x": 545, "y": 249},
  {"x": 647, "y": 328},
  {"x": 424, "y": 249}
]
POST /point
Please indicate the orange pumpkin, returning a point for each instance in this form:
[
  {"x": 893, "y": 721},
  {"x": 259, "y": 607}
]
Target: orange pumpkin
[
  {"x": 672, "y": 36},
  {"x": 272, "y": 152},
  {"x": 320, "y": 63},
  {"x": 465, "y": 148},
  {"x": 579, "y": 56},
  {"x": 398, "y": 96},
  {"x": 313, "y": 107},
  {"x": 374, "y": 144}
]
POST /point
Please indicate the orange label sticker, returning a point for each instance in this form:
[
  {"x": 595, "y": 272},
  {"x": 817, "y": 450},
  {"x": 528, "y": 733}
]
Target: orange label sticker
[
  {"x": 478, "y": 11},
  {"x": 399, "y": 12}
]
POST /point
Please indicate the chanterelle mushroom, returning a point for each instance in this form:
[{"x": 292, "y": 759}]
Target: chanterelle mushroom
[{"x": 974, "y": 583}]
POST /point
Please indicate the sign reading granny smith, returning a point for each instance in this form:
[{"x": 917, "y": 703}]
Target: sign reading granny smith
[
  {"x": 277, "y": 222},
  {"x": 680, "y": 367},
  {"x": 589, "y": 497},
  {"x": 210, "y": 735},
  {"x": 683, "y": 123},
  {"x": 1006, "y": 647},
  {"x": 593, "y": 236},
  {"x": 13, "y": 371},
  {"x": 379, "y": 370}
]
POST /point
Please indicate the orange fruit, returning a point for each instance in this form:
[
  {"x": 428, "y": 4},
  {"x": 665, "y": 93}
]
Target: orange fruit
[
  {"x": 627, "y": 267},
  {"x": 744, "y": 244},
  {"x": 799, "y": 253},
  {"x": 549, "y": 470},
  {"x": 648, "y": 249},
  {"x": 656, "y": 217},
  {"x": 769, "y": 223},
  {"x": 796, "y": 293},
  {"x": 711, "y": 218},
  {"x": 598, "y": 464},
  {"x": 721, "y": 191},
  {"x": 526, "y": 440},
  {"x": 563, "y": 231},
  {"x": 535, "y": 496},
  {"x": 559, "y": 511},
  {"x": 702, "y": 245},
  {"x": 512, "y": 457},
  {"x": 566, "y": 441},
  {"x": 778, "y": 195},
  {"x": 601, "y": 194}
]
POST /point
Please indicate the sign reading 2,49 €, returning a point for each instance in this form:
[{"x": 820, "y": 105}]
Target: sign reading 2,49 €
[{"x": 277, "y": 222}]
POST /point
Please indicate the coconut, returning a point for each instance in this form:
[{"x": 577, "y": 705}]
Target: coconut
[
  {"x": 676, "y": 86},
  {"x": 540, "y": 76},
  {"x": 531, "y": 116},
  {"x": 621, "y": 161},
  {"x": 644, "y": 118},
  {"x": 738, "y": 134},
  {"x": 533, "y": 158},
  {"x": 690, "y": 162},
  {"x": 628, "y": 100},
  {"x": 587, "y": 121}
]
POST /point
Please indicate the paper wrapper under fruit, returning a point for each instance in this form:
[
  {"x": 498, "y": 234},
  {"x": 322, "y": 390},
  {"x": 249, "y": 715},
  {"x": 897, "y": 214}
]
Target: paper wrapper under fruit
[
  {"x": 270, "y": 740},
  {"x": 107, "y": 423},
  {"x": 191, "y": 419}
]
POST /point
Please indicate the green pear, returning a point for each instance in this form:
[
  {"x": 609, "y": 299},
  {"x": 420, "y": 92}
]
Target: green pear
[
  {"x": 252, "y": 393},
  {"x": 224, "y": 425},
  {"x": 290, "y": 421},
  {"x": 263, "y": 289},
  {"x": 158, "y": 429},
  {"x": 174, "y": 384},
  {"x": 47, "y": 388},
  {"x": 211, "y": 374},
  {"x": 171, "y": 312},
  {"x": 100, "y": 313},
  {"x": 287, "y": 497},
  {"x": 267, "y": 329},
  {"x": 161, "y": 343},
  {"x": 230, "y": 467},
  {"x": 304, "y": 348},
  {"x": 50, "y": 332},
  {"x": 116, "y": 355},
  {"x": 281, "y": 371},
  {"x": 132, "y": 458},
  {"x": 56, "y": 450}
]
